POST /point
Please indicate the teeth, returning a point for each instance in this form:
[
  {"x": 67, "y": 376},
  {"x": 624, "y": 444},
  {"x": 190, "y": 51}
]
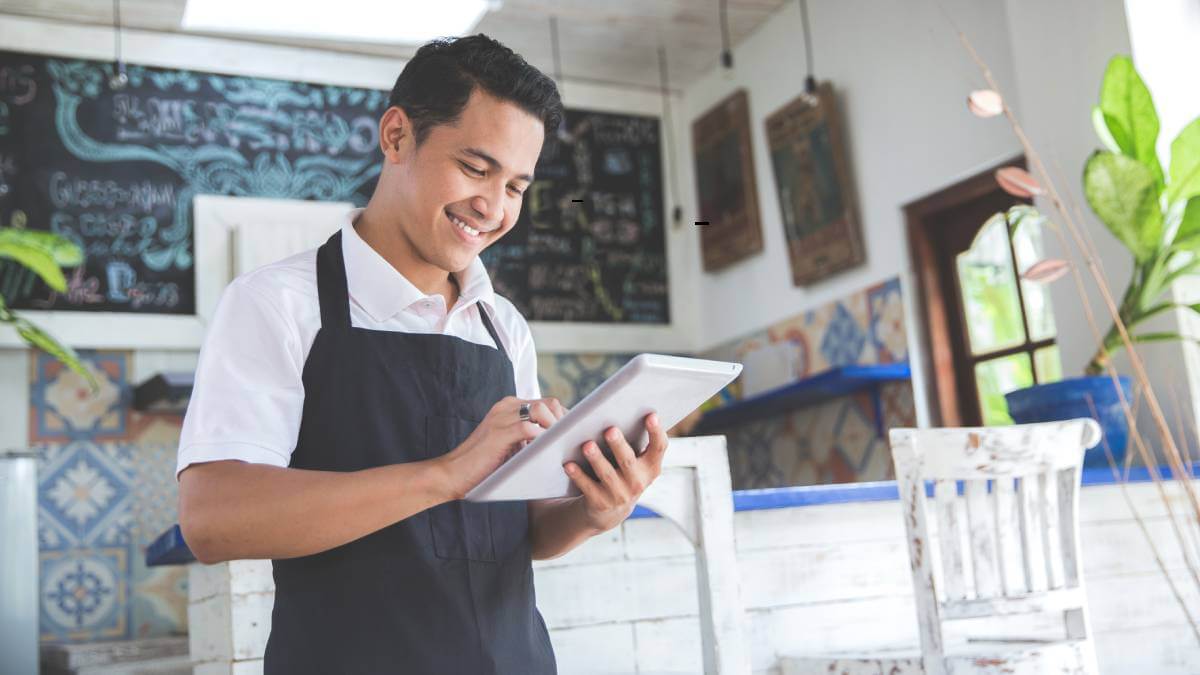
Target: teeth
[{"x": 463, "y": 226}]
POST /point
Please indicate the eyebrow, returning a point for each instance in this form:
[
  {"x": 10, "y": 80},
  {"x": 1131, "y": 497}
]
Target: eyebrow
[{"x": 493, "y": 163}]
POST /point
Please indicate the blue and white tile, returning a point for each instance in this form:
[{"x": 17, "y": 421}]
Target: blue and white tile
[
  {"x": 64, "y": 407},
  {"x": 84, "y": 594},
  {"x": 844, "y": 339},
  {"x": 854, "y": 434},
  {"x": 154, "y": 506},
  {"x": 158, "y": 601},
  {"x": 84, "y": 494},
  {"x": 899, "y": 408},
  {"x": 570, "y": 377},
  {"x": 878, "y": 465},
  {"x": 887, "y": 322}
]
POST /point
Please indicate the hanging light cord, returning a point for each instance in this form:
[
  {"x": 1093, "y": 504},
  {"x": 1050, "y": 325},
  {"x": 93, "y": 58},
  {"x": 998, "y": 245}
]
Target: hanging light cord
[
  {"x": 117, "y": 27},
  {"x": 669, "y": 128},
  {"x": 119, "y": 78},
  {"x": 726, "y": 50},
  {"x": 810, "y": 82}
]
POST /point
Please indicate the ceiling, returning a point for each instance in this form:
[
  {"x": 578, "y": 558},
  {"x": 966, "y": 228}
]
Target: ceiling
[{"x": 607, "y": 41}]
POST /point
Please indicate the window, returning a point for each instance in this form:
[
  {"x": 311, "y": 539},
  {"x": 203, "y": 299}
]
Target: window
[{"x": 989, "y": 331}]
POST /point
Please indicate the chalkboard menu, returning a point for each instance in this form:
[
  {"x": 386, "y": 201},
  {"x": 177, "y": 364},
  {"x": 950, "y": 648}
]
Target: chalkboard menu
[
  {"x": 115, "y": 170},
  {"x": 589, "y": 245}
]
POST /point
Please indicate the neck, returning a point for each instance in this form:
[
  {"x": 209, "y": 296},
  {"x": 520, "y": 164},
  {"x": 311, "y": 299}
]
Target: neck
[{"x": 390, "y": 242}]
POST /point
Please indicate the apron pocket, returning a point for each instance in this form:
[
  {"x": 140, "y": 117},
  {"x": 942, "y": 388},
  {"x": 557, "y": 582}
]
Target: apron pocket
[
  {"x": 460, "y": 530},
  {"x": 510, "y": 528}
]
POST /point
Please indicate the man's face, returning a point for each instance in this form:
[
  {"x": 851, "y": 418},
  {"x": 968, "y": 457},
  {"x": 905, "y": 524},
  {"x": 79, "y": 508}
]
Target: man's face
[{"x": 474, "y": 172}]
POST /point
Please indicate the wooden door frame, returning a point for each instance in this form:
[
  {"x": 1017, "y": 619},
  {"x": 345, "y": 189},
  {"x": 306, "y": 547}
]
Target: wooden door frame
[{"x": 939, "y": 314}]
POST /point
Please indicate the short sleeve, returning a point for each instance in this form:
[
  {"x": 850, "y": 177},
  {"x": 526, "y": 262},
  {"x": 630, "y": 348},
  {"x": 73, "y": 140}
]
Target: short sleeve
[{"x": 248, "y": 395}]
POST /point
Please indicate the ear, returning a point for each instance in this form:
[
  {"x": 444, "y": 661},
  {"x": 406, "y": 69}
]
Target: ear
[{"x": 395, "y": 134}]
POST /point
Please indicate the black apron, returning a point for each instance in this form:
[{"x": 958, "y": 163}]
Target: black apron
[{"x": 446, "y": 591}]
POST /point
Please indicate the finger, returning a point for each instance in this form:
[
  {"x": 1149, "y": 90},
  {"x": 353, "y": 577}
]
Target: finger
[
  {"x": 519, "y": 435},
  {"x": 524, "y": 431},
  {"x": 624, "y": 454},
  {"x": 603, "y": 468},
  {"x": 540, "y": 412},
  {"x": 591, "y": 490},
  {"x": 505, "y": 403},
  {"x": 556, "y": 407},
  {"x": 658, "y": 441}
]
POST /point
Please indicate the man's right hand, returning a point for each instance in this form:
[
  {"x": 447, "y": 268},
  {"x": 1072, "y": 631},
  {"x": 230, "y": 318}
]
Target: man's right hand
[{"x": 499, "y": 436}]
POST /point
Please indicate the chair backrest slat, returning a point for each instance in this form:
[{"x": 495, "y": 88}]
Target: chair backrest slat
[
  {"x": 1008, "y": 537},
  {"x": 1068, "y": 511},
  {"x": 1052, "y": 544},
  {"x": 950, "y": 536},
  {"x": 981, "y": 520},
  {"x": 1029, "y": 501}
]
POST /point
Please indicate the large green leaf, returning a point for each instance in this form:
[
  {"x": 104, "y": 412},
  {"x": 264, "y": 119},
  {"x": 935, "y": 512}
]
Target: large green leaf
[
  {"x": 42, "y": 340},
  {"x": 1185, "y": 164},
  {"x": 1159, "y": 309},
  {"x": 1165, "y": 336},
  {"x": 1126, "y": 103},
  {"x": 37, "y": 259},
  {"x": 1188, "y": 235},
  {"x": 64, "y": 251},
  {"x": 1123, "y": 193},
  {"x": 1109, "y": 130}
]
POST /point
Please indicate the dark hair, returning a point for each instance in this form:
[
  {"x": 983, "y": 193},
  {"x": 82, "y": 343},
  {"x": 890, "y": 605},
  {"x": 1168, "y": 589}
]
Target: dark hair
[{"x": 435, "y": 84}]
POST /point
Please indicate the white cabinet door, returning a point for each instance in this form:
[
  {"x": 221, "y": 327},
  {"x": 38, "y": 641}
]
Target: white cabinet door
[{"x": 237, "y": 234}]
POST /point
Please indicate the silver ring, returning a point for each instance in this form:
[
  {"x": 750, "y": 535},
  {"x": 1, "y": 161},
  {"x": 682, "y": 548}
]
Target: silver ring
[{"x": 524, "y": 412}]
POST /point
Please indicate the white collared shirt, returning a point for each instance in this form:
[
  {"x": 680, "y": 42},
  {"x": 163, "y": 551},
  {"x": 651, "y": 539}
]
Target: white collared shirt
[{"x": 248, "y": 395}]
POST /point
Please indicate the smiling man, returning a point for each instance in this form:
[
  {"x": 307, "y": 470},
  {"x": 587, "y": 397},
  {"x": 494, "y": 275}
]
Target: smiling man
[{"x": 348, "y": 397}]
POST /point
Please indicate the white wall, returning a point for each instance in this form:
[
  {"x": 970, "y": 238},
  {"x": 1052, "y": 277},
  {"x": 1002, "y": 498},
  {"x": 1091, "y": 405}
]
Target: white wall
[
  {"x": 1059, "y": 61},
  {"x": 902, "y": 80},
  {"x": 1165, "y": 37},
  {"x": 242, "y": 58}
]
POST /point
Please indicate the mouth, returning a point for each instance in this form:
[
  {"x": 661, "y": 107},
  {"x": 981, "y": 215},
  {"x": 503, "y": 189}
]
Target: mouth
[{"x": 470, "y": 233}]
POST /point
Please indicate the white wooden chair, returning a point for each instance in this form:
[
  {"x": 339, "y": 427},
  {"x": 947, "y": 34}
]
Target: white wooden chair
[
  {"x": 994, "y": 555},
  {"x": 694, "y": 493}
]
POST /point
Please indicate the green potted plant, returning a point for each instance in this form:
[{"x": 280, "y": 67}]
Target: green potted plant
[
  {"x": 1156, "y": 215},
  {"x": 44, "y": 253}
]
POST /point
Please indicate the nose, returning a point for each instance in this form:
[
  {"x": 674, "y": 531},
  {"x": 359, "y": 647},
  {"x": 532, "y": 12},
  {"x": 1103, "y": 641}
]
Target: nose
[{"x": 491, "y": 211}]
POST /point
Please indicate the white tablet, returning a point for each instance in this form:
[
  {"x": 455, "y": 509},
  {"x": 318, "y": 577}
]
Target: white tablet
[{"x": 672, "y": 386}]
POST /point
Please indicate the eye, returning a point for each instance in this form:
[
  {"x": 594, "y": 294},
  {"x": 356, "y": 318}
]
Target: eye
[
  {"x": 515, "y": 191},
  {"x": 471, "y": 170}
]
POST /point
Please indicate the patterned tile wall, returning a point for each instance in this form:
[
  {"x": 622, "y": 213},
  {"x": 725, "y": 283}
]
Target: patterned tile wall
[
  {"x": 865, "y": 328},
  {"x": 837, "y": 441},
  {"x": 569, "y": 377},
  {"x": 106, "y": 489}
]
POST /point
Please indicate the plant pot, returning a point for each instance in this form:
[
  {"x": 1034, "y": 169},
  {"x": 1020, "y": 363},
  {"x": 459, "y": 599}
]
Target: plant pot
[{"x": 1068, "y": 399}]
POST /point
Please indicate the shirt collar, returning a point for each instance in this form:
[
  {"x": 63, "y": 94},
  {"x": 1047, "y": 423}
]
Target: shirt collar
[{"x": 383, "y": 291}]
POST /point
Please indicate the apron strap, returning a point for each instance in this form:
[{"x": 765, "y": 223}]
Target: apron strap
[
  {"x": 335, "y": 299},
  {"x": 331, "y": 284},
  {"x": 487, "y": 323}
]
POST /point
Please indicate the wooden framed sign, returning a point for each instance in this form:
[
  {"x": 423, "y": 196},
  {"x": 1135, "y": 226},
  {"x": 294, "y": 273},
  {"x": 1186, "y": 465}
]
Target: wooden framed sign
[
  {"x": 812, "y": 180},
  {"x": 729, "y": 216}
]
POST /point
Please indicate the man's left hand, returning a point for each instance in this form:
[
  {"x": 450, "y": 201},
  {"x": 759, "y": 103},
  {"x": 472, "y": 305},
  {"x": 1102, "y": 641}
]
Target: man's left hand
[{"x": 609, "y": 501}]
